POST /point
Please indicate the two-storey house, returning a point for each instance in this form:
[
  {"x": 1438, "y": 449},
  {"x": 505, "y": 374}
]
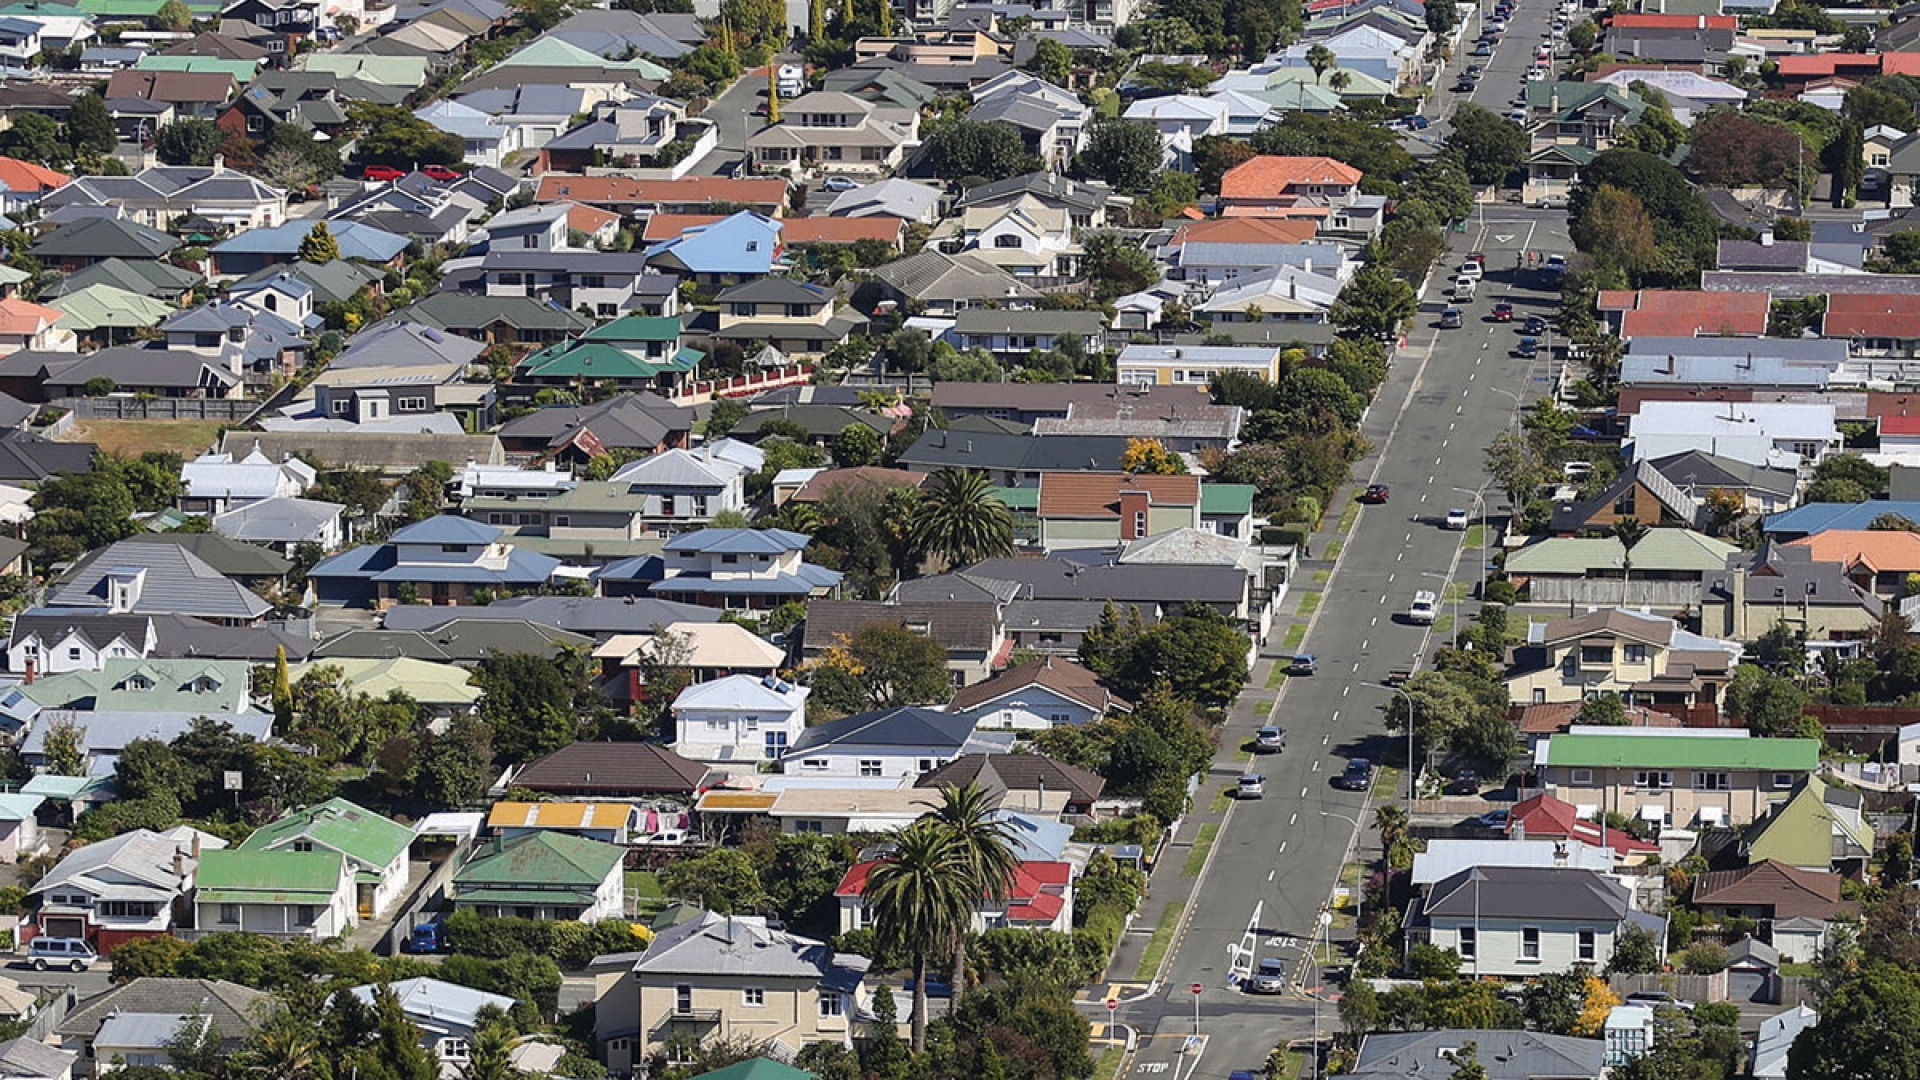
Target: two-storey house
[
  {"x": 1036, "y": 696},
  {"x": 375, "y": 848},
  {"x": 837, "y": 133},
  {"x": 122, "y": 889},
  {"x": 798, "y": 318},
  {"x": 1052, "y": 122},
  {"x": 603, "y": 283},
  {"x": 688, "y": 488},
  {"x": 1038, "y": 896},
  {"x": 442, "y": 560},
  {"x": 1674, "y": 777},
  {"x": 1526, "y": 921},
  {"x": 739, "y": 720},
  {"x": 751, "y": 569},
  {"x": 1027, "y": 238},
  {"x": 214, "y": 483},
  {"x": 898, "y": 743},
  {"x": 1646, "y": 659},
  {"x": 1101, "y": 510},
  {"x": 1275, "y": 186}
]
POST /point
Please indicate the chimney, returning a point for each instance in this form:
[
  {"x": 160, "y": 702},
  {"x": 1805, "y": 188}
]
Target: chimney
[
  {"x": 219, "y": 164},
  {"x": 33, "y": 670},
  {"x": 179, "y": 864}
]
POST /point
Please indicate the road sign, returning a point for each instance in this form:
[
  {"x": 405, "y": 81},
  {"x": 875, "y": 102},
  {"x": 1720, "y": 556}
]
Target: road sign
[
  {"x": 1112, "y": 1004},
  {"x": 1196, "y": 988}
]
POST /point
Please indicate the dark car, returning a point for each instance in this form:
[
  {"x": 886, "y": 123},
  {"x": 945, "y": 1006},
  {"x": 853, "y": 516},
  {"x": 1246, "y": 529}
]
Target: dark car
[
  {"x": 1503, "y": 312},
  {"x": 1358, "y": 777},
  {"x": 1529, "y": 348},
  {"x": 1465, "y": 84},
  {"x": 1416, "y": 122},
  {"x": 1376, "y": 494},
  {"x": 1466, "y": 783},
  {"x": 1483, "y": 49},
  {"x": 1536, "y": 324},
  {"x": 1493, "y": 819}
]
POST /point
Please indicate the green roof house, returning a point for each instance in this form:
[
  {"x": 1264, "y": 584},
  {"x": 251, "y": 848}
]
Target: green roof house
[
  {"x": 543, "y": 875},
  {"x": 1820, "y": 826},
  {"x": 1664, "y": 568},
  {"x": 759, "y": 1068},
  {"x": 281, "y": 894},
  {"x": 445, "y": 689},
  {"x": 374, "y": 848},
  {"x": 1684, "y": 777}
]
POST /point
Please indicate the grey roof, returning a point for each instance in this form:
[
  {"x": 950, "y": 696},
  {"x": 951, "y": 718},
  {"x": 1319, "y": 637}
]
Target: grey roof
[
  {"x": 100, "y": 238},
  {"x": 128, "y": 366},
  {"x": 1167, "y": 585},
  {"x": 742, "y": 945},
  {"x": 182, "y": 636},
  {"x": 1698, "y": 470},
  {"x": 224, "y": 554},
  {"x": 991, "y": 321},
  {"x": 957, "y": 626},
  {"x": 1528, "y": 892},
  {"x": 15, "y": 413},
  {"x": 97, "y": 629},
  {"x": 29, "y": 458},
  {"x": 1799, "y": 286},
  {"x": 931, "y": 275},
  {"x": 1791, "y": 575},
  {"x": 144, "y": 1030},
  {"x": 176, "y": 582},
  {"x": 234, "y": 1009},
  {"x": 819, "y": 420},
  {"x": 277, "y": 521},
  {"x": 1754, "y": 255},
  {"x": 1024, "y": 453},
  {"x": 459, "y": 641},
  {"x": 1505, "y": 1055},
  {"x": 590, "y": 615},
  {"x": 31, "y": 1058},
  {"x": 915, "y": 728},
  {"x": 1051, "y": 188},
  {"x": 406, "y": 344},
  {"x": 1024, "y": 615},
  {"x": 631, "y": 421},
  {"x": 1688, "y": 508}
]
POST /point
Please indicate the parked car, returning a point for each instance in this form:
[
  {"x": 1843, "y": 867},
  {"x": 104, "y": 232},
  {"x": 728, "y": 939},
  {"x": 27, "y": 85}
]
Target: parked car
[
  {"x": 1535, "y": 324},
  {"x": 1357, "y": 777},
  {"x": 1421, "y": 611},
  {"x": 1529, "y": 347},
  {"x": 1269, "y": 977},
  {"x": 1466, "y": 783},
  {"x": 1478, "y": 258},
  {"x": 428, "y": 937},
  {"x": 1376, "y": 494},
  {"x": 1452, "y": 319},
  {"x": 440, "y": 173},
  {"x": 71, "y": 953},
  {"x": 1304, "y": 664},
  {"x": 1252, "y": 786},
  {"x": 838, "y": 183},
  {"x": 1416, "y": 122},
  {"x": 1492, "y": 819},
  {"x": 381, "y": 173},
  {"x": 1475, "y": 269},
  {"x": 1457, "y": 519},
  {"x": 1503, "y": 312},
  {"x": 1483, "y": 49},
  {"x": 1270, "y": 740}
]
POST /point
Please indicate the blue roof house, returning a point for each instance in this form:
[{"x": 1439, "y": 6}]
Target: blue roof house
[
  {"x": 442, "y": 560},
  {"x": 256, "y": 249},
  {"x": 751, "y": 569},
  {"x": 1810, "y": 519},
  {"x": 447, "y": 1014},
  {"x": 726, "y": 252}
]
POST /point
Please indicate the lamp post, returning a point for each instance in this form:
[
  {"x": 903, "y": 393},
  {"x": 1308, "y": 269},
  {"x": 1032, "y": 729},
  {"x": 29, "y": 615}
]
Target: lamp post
[
  {"x": 1446, "y": 586},
  {"x": 1413, "y": 774},
  {"x": 1515, "y": 423},
  {"x": 1326, "y": 920},
  {"x": 1480, "y": 501},
  {"x": 1360, "y": 887}
]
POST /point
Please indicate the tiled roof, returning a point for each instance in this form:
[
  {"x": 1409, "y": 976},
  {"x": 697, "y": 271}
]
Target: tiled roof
[
  {"x": 1097, "y": 495},
  {"x": 1247, "y": 230},
  {"x": 1880, "y": 551},
  {"x": 1269, "y": 175},
  {"x": 25, "y": 176},
  {"x": 1545, "y": 817},
  {"x": 1632, "y": 21},
  {"x": 640, "y": 768},
  {"x": 1673, "y": 313},
  {"x": 1062, "y": 676},
  {"x": 1788, "y": 890},
  {"x": 1871, "y": 315},
  {"x": 624, "y": 189},
  {"x": 823, "y": 483}
]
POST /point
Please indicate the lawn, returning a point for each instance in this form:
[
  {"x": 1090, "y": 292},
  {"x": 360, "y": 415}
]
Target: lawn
[
  {"x": 1457, "y": 591},
  {"x": 1223, "y": 798},
  {"x": 1110, "y": 1061},
  {"x": 1158, "y": 944},
  {"x": 1477, "y": 536},
  {"x": 1277, "y": 677},
  {"x": 643, "y": 886},
  {"x": 1202, "y": 845},
  {"x": 1309, "y": 603},
  {"x": 131, "y": 438},
  {"x": 1296, "y": 634},
  {"x": 1443, "y": 626}
]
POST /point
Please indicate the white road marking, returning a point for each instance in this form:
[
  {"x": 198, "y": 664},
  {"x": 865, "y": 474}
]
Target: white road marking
[
  {"x": 1328, "y": 737},
  {"x": 1410, "y": 535},
  {"x": 1344, "y": 691},
  {"x": 1459, "y": 409},
  {"x": 1451, "y": 425},
  {"x": 1303, "y": 792},
  {"x": 1356, "y": 665},
  {"x": 1270, "y": 874},
  {"x": 1283, "y": 847},
  {"x": 1316, "y": 766},
  {"x": 1336, "y": 719},
  {"x": 1376, "y": 618},
  {"x": 1400, "y": 556}
]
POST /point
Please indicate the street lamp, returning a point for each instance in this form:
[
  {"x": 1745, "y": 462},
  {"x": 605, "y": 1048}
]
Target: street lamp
[
  {"x": 1326, "y": 920},
  {"x": 1360, "y": 887},
  {"x": 1413, "y": 774},
  {"x": 1516, "y": 405},
  {"x": 1480, "y": 500},
  {"x": 1446, "y": 586}
]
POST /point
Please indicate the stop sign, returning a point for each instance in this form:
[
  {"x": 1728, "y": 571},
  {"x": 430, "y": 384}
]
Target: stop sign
[
  {"x": 1196, "y": 988},
  {"x": 1112, "y": 1004}
]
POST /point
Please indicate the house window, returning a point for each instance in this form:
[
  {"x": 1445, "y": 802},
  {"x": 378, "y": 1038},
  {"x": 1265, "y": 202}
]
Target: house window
[
  {"x": 412, "y": 404},
  {"x": 1596, "y": 654},
  {"x": 729, "y": 560},
  {"x": 303, "y": 845},
  {"x": 832, "y": 1006},
  {"x": 306, "y": 914},
  {"x": 562, "y": 520},
  {"x": 1782, "y": 780},
  {"x": 1059, "y": 719},
  {"x": 1587, "y": 944},
  {"x": 809, "y": 825},
  {"x": 925, "y": 764},
  {"x": 1139, "y": 523},
  {"x": 869, "y": 766},
  {"x": 1529, "y": 943},
  {"x": 1006, "y": 240},
  {"x": 73, "y": 653},
  {"x": 255, "y": 123},
  {"x": 798, "y": 311},
  {"x": 1652, "y": 779},
  {"x": 1712, "y": 781},
  {"x": 1469, "y": 942},
  {"x": 339, "y": 407},
  {"x": 453, "y": 549},
  {"x": 1636, "y": 654},
  {"x": 683, "y": 999},
  {"x": 1581, "y": 777},
  {"x": 230, "y": 914},
  {"x": 619, "y": 1046},
  {"x": 743, "y": 311},
  {"x": 813, "y": 763},
  {"x": 753, "y": 997}
]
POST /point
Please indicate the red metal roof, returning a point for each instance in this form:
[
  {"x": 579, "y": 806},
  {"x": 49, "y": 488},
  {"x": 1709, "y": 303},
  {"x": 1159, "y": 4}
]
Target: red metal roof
[
  {"x": 1630, "y": 21},
  {"x": 1871, "y": 315}
]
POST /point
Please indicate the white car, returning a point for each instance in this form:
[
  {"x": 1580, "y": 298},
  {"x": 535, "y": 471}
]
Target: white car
[
  {"x": 1457, "y": 519},
  {"x": 1472, "y": 270},
  {"x": 1538, "y": 74},
  {"x": 1252, "y": 786},
  {"x": 1421, "y": 611}
]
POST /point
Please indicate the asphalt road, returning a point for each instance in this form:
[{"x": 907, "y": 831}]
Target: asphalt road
[{"x": 1449, "y": 393}]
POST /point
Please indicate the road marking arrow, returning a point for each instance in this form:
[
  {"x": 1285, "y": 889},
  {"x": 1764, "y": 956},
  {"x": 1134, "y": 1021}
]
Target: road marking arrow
[{"x": 1501, "y": 238}]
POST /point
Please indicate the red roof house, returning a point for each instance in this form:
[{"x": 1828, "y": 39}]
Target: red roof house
[
  {"x": 1544, "y": 817},
  {"x": 1274, "y": 186},
  {"x": 1676, "y": 313},
  {"x": 1040, "y": 897},
  {"x": 1870, "y": 317}
]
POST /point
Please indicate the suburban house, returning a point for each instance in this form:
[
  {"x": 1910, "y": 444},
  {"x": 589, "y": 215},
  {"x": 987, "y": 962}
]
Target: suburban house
[
  {"x": 1674, "y": 778},
  {"x": 281, "y": 893},
  {"x": 1782, "y": 582},
  {"x": 688, "y": 488},
  {"x": 837, "y": 132},
  {"x": 1506, "y": 1055},
  {"x": 621, "y": 770},
  {"x": 1319, "y": 188},
  {"x": 1011, "y": 335},
  {"x": 1521, "y": 921},
  {"x": 607, "y": 822},
  {"x": 1643, "y": 658},
  {"x": 375, "y": 848},
  {"x": 739, "y": 720},
  {"x": 1817, "y": 827},
  {"x": 447, "y": 1014},
  {"x": 797, "y": 318},
  {"x": 121, "y": 889},
  {"x": 543, "y": 874},
  {"x": 1771, "y": 893},
  {"x": 157, "y": 195},
  {"x": 1877, "y": 560},
  {"x": 1664, "y": 568},
  {"x": 728, "y": 977},
  {"x": 1193, "y": 365},
  {"x": 971, "y": 631},
  {"x": 235, "y": 1012},
  {"x": 214, "y": 482},
  {"x": 1039, "y": 896},
  {"x": 1026, "y": 783},
  {"x": 442, "y": 560},
  {"x": 1035, "y": 696},
  {"x": 898, "y": 743},
  {"x": 1100, "y": 510},
  {"x": 749, "y": 569},
  {"x": 133, "y": 578}
]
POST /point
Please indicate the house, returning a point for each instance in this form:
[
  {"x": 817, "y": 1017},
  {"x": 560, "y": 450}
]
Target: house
[
  {"x": 1084, "y": 202},
  {"x": 96, "y": 239},
  {"x": 942, "y": 284},
  {"x": 750, "y": 569},
  {"x": 1664, "y": 568},
  {"x": 465, "y": 642},
  {"x": 1038, "y": 896},
  {"x": 1780, "y": 435},
  {"x": 483, "y": 139},
  {"x": 1763, "y": 490},
  {"x": 642, "y": 422},
  {"x": 270, "y": 246},
  {"x": 132, "y": 578},
  {"x": 688, "y": 488},
  {"x": 30, "y": 1059},
  {"x": 374, "y": 847},
  {"x": 1094, "y": 510},
  {"x": 1643, "y": 658},
  {"x": 442, "y": 689},
  {"x": 1632, "y": 313},
  {"x": 902, "y": 742},
  {"x": 622, "y": 770},
  {"x": 1224, "y": 579},
  {"x": 1037, "y": 695},
  {"x": 543, "y": 875},
  {"x": 798, "y": 318},
  {"x": 445, "y": 560},
  {"x": 1818, "y": 827},
  {"x": 626, "y": 133},
  {"x": 693, "y": 195},
  {"x": 1544, "y": 817},
  {"x": 284, "y": 524},
  {"x": 1285, "y": 187},
  {"x": 35, "y": 375},
  {"x": 27, "y": 325},
  {"x": 158, "y": 195},
  {"x": 1516, "y": 921},
  {"x": 1783, "y": 582},
  {"x": 1675, "y": 777},
  {"x": 1027, "y": 238},
  {"x": 607, "y": 822},
  {"x": 893, "y": 197},
  {"x": 838, "y": 132},
  {"x": 282, "y": 893},
  {"x": 971, "y": 632},
  {"x": 1768, "y": 891},
  {"x": 729, "y": 977},
  {"x": 700, "y": 650},
  {"x": 1506, "y": 1055},
  {"x": 1877, "y": 560},
  {"x": 1193, "y": 365},
  {"x": 214, "y": 482},
  {"x": 235, "y": 1011},
  {"x": 1011, "y": 335},
  {"x": 1182, "y": 423},
  {"x": 447, "y": 1014},
  {"x": 1026, "y": 784},
  {"x": 739, "y": 719},
  {"x": 23, "y": 183},
  {"x": 1052, "y": 122},
  {"x": 201, "y": 94},
  {"x": 736, "y": 248},
  {"x": 125, "y": 888}
]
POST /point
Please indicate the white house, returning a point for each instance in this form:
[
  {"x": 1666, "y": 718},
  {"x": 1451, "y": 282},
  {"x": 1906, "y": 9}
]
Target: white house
[
  {"x": 1523, "y": 921},
  {"x": 1182, "y": 119},
  {"x": 1038, "y": 695},
  {"x": 883, "y": 744},
  {"x": 1778, "y": 434},
  {"x": 214, "y": 483},
  {"x": 739, "y": 720},
  {"x": 447, "y": 1014},
  {"x": 374, "y": 847},
  {"x": 282, "y": 894},
  {"x": 120, "y": 889},
  {"x": 687, "y": 488}
]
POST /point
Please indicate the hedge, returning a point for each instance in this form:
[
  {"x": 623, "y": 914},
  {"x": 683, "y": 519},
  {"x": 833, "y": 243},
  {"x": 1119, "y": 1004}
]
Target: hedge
[{"x": 572, "y": 945}]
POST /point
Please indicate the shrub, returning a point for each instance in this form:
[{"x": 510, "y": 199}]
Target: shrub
[
  {"x": 1704, "y": 958},
  {"x": 1295, "y": 534},
  {"x": 1501, "y": 592},
  {"x": 570, "y": 944}
]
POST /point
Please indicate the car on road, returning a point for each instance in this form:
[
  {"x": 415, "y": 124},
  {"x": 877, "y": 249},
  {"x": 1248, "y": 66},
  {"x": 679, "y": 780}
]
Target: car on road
[
  {"x": 1473, "y": 268},
  {"x": 1465, "y": 85},
  {"x": 381, "y": 173},
  {"x": 1479, "y": 259},
  {"x": 1416, "y": 122},
  {"x": 838, "y": 183},
  {"x": 439, "y": 173},
  {"x": 1423, "y": 608},
  {"x": 1457, "y": 519},
  {"x": 1269, "y": 977},
  {"x": 1303, "y": 664},
  {"x": 1466, "y": 782},
  {"x": 1517, "y": 114},
  {"x": 1538, "y": 74},
  {"x": 70, "y": 953},
  {"x": 1503, "y": 312},
  {"x": 1528, "y": 348},
  {"x": 1270, "y": 740},
  {"x": 1252, "y": 786},
  {"x": 1463, "y": 287},
  {"x": 1492, "y": 819},
  {"x": 1376, "y": 494},
  {"x": 1535, "y": 325},
  {"x": 1452, "y": 319},
  {"x": 1483, "y": 49},
  {"x": 1357, "y": 777},
  {"x": 1556, "y": 264}
]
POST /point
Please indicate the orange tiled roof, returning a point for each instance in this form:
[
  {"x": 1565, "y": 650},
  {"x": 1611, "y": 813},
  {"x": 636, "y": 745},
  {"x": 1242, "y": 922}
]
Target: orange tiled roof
[
  {"x": 25, "y": 176},
  {"x": 1881, "y": 551},
  {"x": 1879, "y": 315},
  {"x": 1097, "y": 495},
  {"x": 1674, "y": 313},
  {"x": 1269, "y": 175},
  {"x": 667, "y": 226},
  {"x": 1247, "y": 230},
  {"x": 841, "y": 230},
  {"x": 590, "y": 219},
  {"x": 1814, "y": 65}
]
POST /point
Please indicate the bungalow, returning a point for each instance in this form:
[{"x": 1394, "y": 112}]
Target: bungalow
[
  {"x": 374, "y": 847},
  {"x": 900, "y": 743},
  {"x": 214, "y": 483},
  {"x": 1193, "y": 365},
  {"x": 1877, "y": 560},
  {"x": 442, "y": 560},
  {"x": 621, "y": 770},
  {"x": 121, "y": 889},
  {"x": 1524, "y": 921},
  {"x": 1664, "y": 568},
  {"x": 1284, "y": 187},
  {"x": 1011, "y": 335},
  {"x": 257, "y": 249},
  {"x": 1771, "y": 893},
  {"x": 160, "y": 194},
  {"x": 1098, "y": 510},
  {"x": 1786, "y": 435},
  {"x": 282, "y": 893},
  {"x": 739, "y": 719},
  {"x": 734, "y": 249},
  {"x": 1036, "y": 696},
  {"x": 688, "y": 488},
  {"x": 543, "y": 875}
]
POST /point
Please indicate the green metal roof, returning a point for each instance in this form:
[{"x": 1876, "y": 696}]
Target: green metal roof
[
  {"x": 539, "y": 861},
  {"x": 1227, "y": 498},
  {"x": 106, "y": 305},
  {"x": 1681, "y": 549},
  {"x": 270, "y": 877},
  {"x": 636, "y": 328},
  {"x": 758, "y": 1068},
  {"x": 596, "y": 360},
  {"x": 362, "y": 835},
  {"x": 1568, "y": 555},
  {"x": 242, "y": 70},
  {"x": 1683, "y": 752},
  {"x": 540, "y": 895}
]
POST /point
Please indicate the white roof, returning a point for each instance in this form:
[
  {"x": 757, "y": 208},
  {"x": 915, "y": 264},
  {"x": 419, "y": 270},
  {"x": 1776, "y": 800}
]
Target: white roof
[
  {"x": 1445, "y": 858},
  {"x": 451, "y": 823},
  {"x": 1777, "y": 1034},
  {"x": 744, "y": 693},
  {"x": 441, "y": 1004},
  {"x": 1177, "y": 107}
]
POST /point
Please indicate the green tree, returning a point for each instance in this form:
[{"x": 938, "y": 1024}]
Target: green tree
[
  {"x": 175, "y": 16},
  {"x": 187, "y": 141},
  {"x": 961, "y": 519},
  {"x": 970, "y": 815},
  {"x": 722, "y": 880},
  {"x": 1490, "y": 147},
  {"x": 490, "y": 1057},
  {"x": 855, "y": 444},
  {"x": 1869, "y": 1027},
  {"x": 1200, "y": 652},
  {"x": 393, "y": 1051},
  {"x": 1602, "y": 710},
  {"x": 1466, "y": 1060},
  {"x": 1051, "y": 61},
  {"x": 1127, "y": 154},
  {"x": 1635, "y": 952},
  {"x": 64, "y": 748},
  {"x": 534, "y": 702},
  {"x": 392, "y": 135},
  {"x": 963, "y": 148},
  {"x": 1582, "y": 35},
  {"x": 1115, "y": 266},
  {"x": 1374, "y": 302},
  {"x": 90, "y": 127},
  {"x": 454, "y": 767},
  {"x": 883, "y": 666},
  {"x": 148, "y": 768},
  {"x": 919, "y": 901},
  {"x": 1731, "y": 150},
  {"x": 1321, "y": 60},
  {"x": 35, "y": 137},
  {"x": 1769, "y": 704},
  {"x": 319, "y": 245}
]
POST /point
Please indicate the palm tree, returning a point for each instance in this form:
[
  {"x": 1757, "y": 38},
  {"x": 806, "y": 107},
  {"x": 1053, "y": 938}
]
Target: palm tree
[
  {"x": 1391, "y": 820},
  {"x": 920, "y": 899},
  {"x": 1339, "y": 81},
  {"x": 961, "y": 518},
  {"x": 284, "y": 1048},
  {"x": 1320, "y": 58},
  {"x": 968, "y": 813}
]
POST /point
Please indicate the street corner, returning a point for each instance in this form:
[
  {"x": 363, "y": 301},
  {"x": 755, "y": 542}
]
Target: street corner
[{"x": 1115, "y": 994}]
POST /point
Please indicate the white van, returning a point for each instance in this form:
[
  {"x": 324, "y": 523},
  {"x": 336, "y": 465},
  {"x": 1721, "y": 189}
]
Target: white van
[{"x": 1463, "y": 288}]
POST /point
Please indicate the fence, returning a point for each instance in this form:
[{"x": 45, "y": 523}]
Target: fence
[
  {"x": 1615, "y": 592},
  {"x": 1685, "y": 987},
  {"x": 741, "y": 385},
  {"x": 224, "y": 410}
]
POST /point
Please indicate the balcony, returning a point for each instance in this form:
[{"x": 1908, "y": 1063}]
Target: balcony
[{"x": 694, "y": 1016}]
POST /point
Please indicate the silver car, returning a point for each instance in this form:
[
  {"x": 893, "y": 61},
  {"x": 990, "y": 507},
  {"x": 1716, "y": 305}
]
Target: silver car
[{"x": 1270, "y": 977}]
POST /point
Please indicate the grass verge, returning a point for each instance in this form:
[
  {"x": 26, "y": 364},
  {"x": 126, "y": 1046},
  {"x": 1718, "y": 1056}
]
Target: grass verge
[
  {"x": 1333, "y": 550},
  {"x": 1158, "y": 944},
  {"x": 1109, "y": 1064},
  {"x": 1309, "y": 603},
  {"x": 1476, "y": 536},
  {"x": 1320, "y": 577},
  {"x": 1457, "y": 591},
  {"x": 1296, "y": 634},
  {"x": 1443, "y": 626},
  {"x": 1223, "y": 799},
  {"x": 1349, "y": 516},
  {"x": 1277, "y": 677},
  {"x": 1202, "y": 844}
]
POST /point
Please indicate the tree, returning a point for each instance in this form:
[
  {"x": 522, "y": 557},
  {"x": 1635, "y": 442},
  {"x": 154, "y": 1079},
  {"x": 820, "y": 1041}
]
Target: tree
[
  {"x": 1597, "y": 1000},
  {"x": 856, "y": 444},
  {"x": 187, "y": 141},
  {"x": 392, "y": 135},
  {"x": 1602, "y": 710},
  {"x": 883, "y": 666},
  {"x": 919, "y": 902},
  {"x": 1115, "y": 266},
  {"x": 1051, "y": 61},
  {"x": 1769, "y": 704},
  {"x": 969, "y": 814},
  {"x": 148, "y": 768},
  {"x": 491, "y": 1055},
  {"x": 285, "y": 1046},
  {"x": 1321, "y": 60},
  {"x": 319, "y": 245},
  {"x": 454, "y": 767},
  {"x": 1151, "y": 456},
  {"x": 89, "y": 126},
  {"x": 1214, "y": 155},
  {"x": 1582, "y": 35},
  {"x": 1488, "y": 146},
  {"x": 722, "y": 880},
  {"x": 394, "y": 1051},
  {"x": 64, "y": 748},
  {"x": 1869, "y": 105},
  {"x": 1731, "y": 149},
  {"x": 1127, "y": 154},
  {"x": 1619, "y": 230},
  {"x": 534, "y": 702},
  {"x": 1635, "y": 952},
  {"x": 1199, "y": 652},
  {"x": 961, "y": 519},
  {"x": 34, "y": 137},
  {"x": 964, "y": 148},
  {"x": 1374, "y": 302},
  {"x": 1466, "y": 1060}
]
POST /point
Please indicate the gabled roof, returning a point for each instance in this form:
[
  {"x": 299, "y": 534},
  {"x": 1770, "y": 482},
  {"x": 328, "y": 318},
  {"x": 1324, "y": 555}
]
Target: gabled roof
[
  {"x": 438, "y": 1003},
  {"x": 739, "y": 541},
  {"x": 908, "y": 726},
  {"x": 587, "y": 767},
  {"x": 742, "y": 692},
  {"x": 234, "y": 1009},
  {"x": 363, "y": 836},
  {"x": 100, "y": 238},
  {"x": 1878, "y": 551},
  {"x": 1689, "y": 751},
  {"x": 730, "y": 946},
  {"x": 176, "y": 582},
  {"x": 1546, "y": 817},
  {"x": 1506, "y": 1055},
  {"x": 542, "y": 859},
  {"x": 357, "y": 241},
  {"x": 1017, "y": 772},
  {"x": 1062, "y": 676},
  {"x": 269, "y": 877},
  {"x": 1788, "y": 890},
  {"x": 1098, "y": 495}
]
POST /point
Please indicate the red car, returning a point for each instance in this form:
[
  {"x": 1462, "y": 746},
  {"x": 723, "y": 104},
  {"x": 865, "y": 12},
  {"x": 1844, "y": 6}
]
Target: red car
[
  {"x": 440, "y": 172},
  {"x": 382, "y": 173},
  {"x": 1479, "y": 257},
  {"x": 1503, "y": 312},
  {"x": 1375, "y": 494}
]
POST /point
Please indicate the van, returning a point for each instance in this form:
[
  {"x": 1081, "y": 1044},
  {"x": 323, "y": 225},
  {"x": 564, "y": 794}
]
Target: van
[{"x": 71, "y": 953}]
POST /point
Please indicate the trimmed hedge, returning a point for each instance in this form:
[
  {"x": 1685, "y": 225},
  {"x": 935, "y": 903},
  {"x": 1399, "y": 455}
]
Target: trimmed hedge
[{"x": 572, "y": 945}]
